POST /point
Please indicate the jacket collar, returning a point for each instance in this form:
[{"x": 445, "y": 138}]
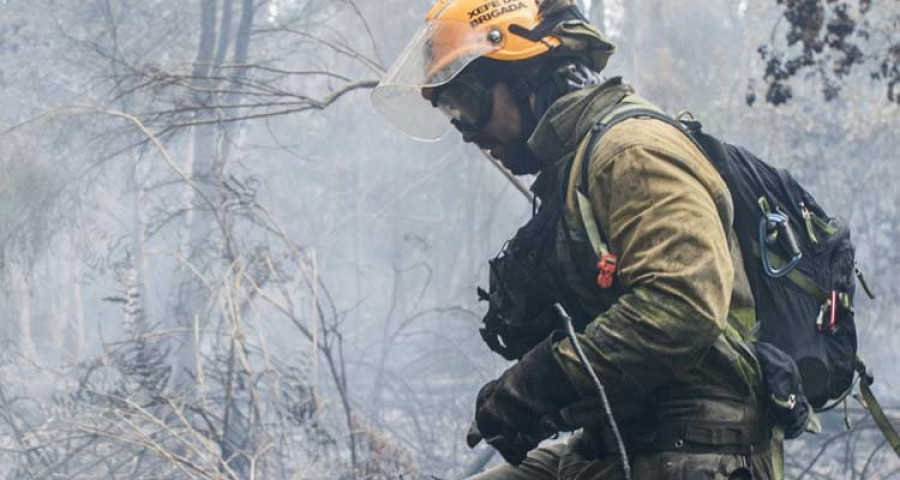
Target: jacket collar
[{"x": 568, "y": 120}]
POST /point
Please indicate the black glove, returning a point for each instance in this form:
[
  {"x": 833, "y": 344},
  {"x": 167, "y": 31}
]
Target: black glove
[
  {"x": 789, "y": 406},
  {"x": 516, "y": 412}
]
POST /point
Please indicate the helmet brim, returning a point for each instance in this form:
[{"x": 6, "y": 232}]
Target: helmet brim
[{"x": 439, "y": 51}]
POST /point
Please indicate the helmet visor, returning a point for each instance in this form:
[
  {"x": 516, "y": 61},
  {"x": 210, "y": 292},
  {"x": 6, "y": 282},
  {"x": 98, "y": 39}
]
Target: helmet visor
[{"x": 437, "y": 54}]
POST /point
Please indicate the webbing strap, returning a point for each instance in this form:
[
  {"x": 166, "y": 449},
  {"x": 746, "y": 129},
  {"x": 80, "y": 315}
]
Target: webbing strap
[
  {"x": 631, "y": 103},
  {"x": 795, "y": 276},
  {"x": 870, "y": 403},
  {"x": 630, "y": 107},
  {"x": 590, "y": 224}
]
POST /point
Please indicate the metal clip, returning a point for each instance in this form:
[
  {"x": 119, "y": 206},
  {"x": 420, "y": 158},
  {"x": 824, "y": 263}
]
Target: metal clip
[
  {"x": 820, "y": 319},
  {"x": 807, "y": 218},
  {"x": 832, "y": 305}
]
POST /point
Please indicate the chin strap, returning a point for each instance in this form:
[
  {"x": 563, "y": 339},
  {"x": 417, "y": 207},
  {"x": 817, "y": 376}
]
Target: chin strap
[
  {"x": 522, "y": 91},
  {"x": 528, "y": 120}
]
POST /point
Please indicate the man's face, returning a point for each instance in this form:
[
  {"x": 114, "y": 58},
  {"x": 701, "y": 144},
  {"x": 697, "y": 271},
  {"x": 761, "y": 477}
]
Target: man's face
[
  {"x": 503, "y": 130},
  {"x": 501, "y": 135}
]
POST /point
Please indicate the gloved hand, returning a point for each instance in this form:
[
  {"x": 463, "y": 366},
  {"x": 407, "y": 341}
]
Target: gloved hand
[
  {"x": 513, "y": 447},
  {"x": 516, "y": 412},
  {"x": 789, "y": 407}
]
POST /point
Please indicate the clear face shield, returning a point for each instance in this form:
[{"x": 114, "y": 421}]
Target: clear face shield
[{"x": 436, "y": 55}]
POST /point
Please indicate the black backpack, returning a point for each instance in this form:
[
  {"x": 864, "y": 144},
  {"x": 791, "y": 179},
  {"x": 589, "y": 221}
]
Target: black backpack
[
  {"x": 799, "y": 260},
  {"x": 801, "y": 267}
]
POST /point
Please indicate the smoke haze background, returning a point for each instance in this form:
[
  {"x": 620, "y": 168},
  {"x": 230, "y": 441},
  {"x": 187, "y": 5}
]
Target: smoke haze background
[{"x": 219, "y": 262}]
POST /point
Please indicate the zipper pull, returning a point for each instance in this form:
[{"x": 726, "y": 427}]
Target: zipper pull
[
  {"x": 828, "y": 308},
  {"x": 807, "y": 218},
  {"x": 820, "y": 319},
  {"x": 832, "y": 325}
]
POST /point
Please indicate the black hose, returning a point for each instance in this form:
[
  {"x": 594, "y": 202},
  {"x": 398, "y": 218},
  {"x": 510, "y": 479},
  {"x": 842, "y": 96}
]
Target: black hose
[{"x": 604, "y": 400}]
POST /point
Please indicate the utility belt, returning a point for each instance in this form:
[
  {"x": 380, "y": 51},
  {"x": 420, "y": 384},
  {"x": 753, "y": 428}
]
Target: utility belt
[
  {"x": 729, "y": 438},
  {"x": 752, "y": 434}
]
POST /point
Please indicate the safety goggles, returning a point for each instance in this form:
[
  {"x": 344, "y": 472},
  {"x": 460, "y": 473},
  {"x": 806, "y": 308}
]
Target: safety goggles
[{"x": 468, "y": 101}]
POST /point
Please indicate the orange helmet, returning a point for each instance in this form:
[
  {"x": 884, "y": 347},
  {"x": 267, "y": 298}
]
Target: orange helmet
[
  {"x": 484, "y": 29},
  {"x": 456, "y": 33}
]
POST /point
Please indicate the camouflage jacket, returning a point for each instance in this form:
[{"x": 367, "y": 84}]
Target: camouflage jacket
[{"x": 675, "y": 328}]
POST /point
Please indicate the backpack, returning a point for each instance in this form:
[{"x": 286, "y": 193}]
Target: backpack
[{"x": 799, "y": 261}]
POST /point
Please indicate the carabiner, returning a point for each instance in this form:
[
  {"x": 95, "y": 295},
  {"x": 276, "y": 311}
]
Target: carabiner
[{"x": 781, "y": 222}]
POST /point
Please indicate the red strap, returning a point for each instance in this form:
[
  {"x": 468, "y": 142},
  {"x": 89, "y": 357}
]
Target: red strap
[{"x": 606, "y": 270}]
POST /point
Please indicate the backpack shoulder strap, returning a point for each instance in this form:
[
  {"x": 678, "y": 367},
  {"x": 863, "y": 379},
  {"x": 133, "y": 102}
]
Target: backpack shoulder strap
[{"x": 632, "y": 106}]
